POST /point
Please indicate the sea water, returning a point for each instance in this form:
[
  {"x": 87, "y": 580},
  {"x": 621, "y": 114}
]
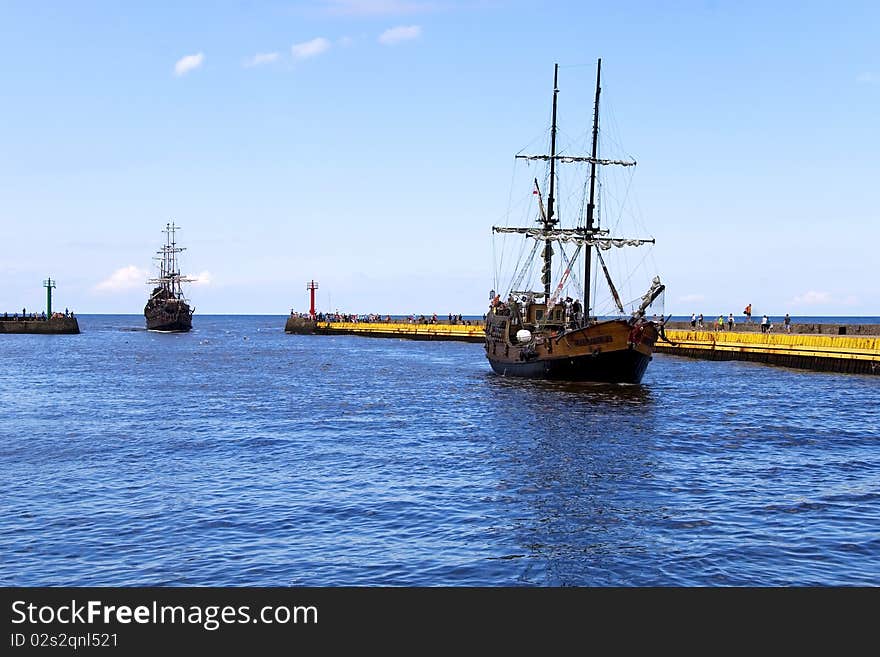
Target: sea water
[{"x": 238, "y": 455}]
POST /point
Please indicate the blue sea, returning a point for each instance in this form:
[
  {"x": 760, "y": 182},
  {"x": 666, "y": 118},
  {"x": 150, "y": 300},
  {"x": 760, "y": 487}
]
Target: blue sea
[{"x": 239, "y": 455}]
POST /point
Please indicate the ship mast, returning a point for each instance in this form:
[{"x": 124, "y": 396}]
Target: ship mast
[
  {"x": 549, "y": 221},
  {"x": 172, "y": 251},
  {"x": 591, "y": 204},
  {"x": 588, "y": 235},
  {"x": 169, "y": 276}
]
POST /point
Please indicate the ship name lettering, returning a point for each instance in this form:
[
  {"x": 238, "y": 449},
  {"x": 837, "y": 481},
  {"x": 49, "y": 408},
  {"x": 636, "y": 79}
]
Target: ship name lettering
[{"x": 599, "y": 339}]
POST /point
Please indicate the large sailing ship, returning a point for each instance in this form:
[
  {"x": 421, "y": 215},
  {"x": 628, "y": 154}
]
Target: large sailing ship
[
  {"x": 544, "y": 334},
  {"x": 167, "y": 309}
]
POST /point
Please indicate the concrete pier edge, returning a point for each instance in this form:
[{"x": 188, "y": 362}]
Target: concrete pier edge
[{"x": 845, "y": 348}]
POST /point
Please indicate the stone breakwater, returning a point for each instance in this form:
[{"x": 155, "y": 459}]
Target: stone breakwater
[
  {"x": 846, "y": 348},
  {"x": 52, "y": 326}
]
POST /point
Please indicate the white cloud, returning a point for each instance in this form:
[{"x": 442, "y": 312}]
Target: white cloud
[
  {"x": 188, "y": 63},
  {"x": 396, "y": 35},
  {"x": 812, "y": 298},
  {"x": 375, "y": 7},
  {"x": 126, "y": 278},
  {"x": 310, "y": 48},
  {"x": 261, "y": 58},
  {"x": 868, "y": 77},
  {"x": 203, "y": 278},
  {"x": 692, "y": 297},
  {"x": 345, "y": 41}
]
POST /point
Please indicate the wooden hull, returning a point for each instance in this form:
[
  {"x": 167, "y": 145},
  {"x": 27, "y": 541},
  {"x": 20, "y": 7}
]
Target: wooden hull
[
  {"x": 181, "y": 325},
  {"x": 613, "y": 351},
  {"x": 171, "y": 318},
  {"x": 614, "y": 367}
]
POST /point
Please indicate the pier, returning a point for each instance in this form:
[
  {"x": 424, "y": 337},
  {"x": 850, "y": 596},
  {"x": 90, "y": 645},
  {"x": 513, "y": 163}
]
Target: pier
[
  {"x": 847, "y": 351},
  {"x": 45, "y": 323},
  {"x": 58, "y": 325},
  {"x": 456, "y": 332},
  {"x": 853, "y": 349}
]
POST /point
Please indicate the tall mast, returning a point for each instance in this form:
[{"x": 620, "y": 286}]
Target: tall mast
[
  {"x": 588, "y": 235},
  {"x": 172, "y": 258},
  {"x": 549, "y": 221},
  {"x": 169, "y": 272},
  {"x": 591, "y": 205},
  {"x": 166, "y": 259}
]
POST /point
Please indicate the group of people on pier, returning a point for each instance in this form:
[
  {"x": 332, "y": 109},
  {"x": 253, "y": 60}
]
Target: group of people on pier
[
  {"x": 698, "y": 322},
  {"x": 375, "y": 318},
  {"x": 35, "y": 317}
]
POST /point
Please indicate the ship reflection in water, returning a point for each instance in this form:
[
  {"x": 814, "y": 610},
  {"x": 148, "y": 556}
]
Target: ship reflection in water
[{"x": 576, "y": 451}]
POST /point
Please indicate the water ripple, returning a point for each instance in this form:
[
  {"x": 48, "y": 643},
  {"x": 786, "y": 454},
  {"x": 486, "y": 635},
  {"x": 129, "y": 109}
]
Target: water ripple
[{"x": 238, "y": 455}]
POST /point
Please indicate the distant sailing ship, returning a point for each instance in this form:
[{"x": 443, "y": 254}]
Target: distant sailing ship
[
  {"x": 543, "y": 334},
  {"x": 167, "y": 309}
]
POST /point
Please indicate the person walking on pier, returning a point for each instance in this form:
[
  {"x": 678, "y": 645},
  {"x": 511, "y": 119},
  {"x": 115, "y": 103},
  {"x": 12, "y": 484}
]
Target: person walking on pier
[
  {"x": 730, "y": 322},
  {"x": 720, "y": 323},
  {"x": 787, "y": 323},
  {"x": 765, "y": 324},
  {"x": 700, "y": 321},
  {"x": 748, "y": 313},
  {"x": 693, "y": 320}
]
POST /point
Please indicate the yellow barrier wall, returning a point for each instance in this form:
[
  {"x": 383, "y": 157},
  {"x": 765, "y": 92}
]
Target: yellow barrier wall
[
  {"x": 471, "y": 333},
  {"x": 835, "y": 353},
  {"x": 819, "y": 346},
  {"x": 822, "y": 346}
]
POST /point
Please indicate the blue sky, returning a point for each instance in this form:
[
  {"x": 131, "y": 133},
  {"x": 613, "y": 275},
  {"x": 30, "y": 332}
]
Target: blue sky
[{"x": 369, "y": 144}]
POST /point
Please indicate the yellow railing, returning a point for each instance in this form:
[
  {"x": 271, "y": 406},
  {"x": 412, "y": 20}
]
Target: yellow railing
[
  {"x": 820, "y": 346},
  {"x": 794, "y": 344},
  {"x": 448, "y": 331}
]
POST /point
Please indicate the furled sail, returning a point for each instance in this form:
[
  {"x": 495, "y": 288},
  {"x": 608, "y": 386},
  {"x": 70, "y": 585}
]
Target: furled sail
[
  {"x": 572, "y": 159},
  {"x": 575, "y": 235}
]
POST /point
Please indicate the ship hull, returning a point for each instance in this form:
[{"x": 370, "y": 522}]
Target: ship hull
[
  {"x": 613, "y": 351},
  {"x": 181, "y": 325},
  {"x": 611, "y": 367},
  {"x": 174, "y": 319}
]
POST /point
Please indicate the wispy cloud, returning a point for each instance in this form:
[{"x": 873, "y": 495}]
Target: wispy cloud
[
  {"x": 396, "y": 35},
  {"x": 309, "y": 48},
  {"x": 345, "y": 41},
  {"x": 126, "y": 278},
  {"x": 260, "y": 59},
  {"x": 812, "y": 298},
  {"x": 203, "y": 278},
  {"x": 375, "y": 7},
  {"x": 188, "y": 63},
  {"x": 868, "y": 77},
  {"x": 692, "y": 297}
]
